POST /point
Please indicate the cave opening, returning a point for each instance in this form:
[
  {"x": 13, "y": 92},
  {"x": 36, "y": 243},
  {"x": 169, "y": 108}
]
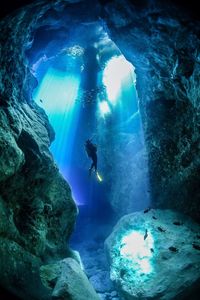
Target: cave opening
[{"x": 88, "y": 90}]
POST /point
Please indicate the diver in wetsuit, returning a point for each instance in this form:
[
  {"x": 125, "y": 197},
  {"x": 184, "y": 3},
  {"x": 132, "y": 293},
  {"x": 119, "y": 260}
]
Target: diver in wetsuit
[{"x": 91, "y": 150}]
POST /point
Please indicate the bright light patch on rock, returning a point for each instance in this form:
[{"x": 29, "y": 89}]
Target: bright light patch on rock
[
  {"x": 155, "y": 255},
  {"x": 138, "y": 251}
]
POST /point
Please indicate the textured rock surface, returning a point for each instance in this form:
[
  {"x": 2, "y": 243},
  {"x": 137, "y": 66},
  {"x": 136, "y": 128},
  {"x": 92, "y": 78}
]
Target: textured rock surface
[
  {"x": 164, "y": 265},
  {"x": 37, "y": 212},
  {"x": 71, "y": 281},
  {"x": 163, "y": 43}
]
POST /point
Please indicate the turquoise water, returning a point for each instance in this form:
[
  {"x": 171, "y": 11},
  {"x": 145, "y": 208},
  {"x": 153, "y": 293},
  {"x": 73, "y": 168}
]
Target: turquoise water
[{"x": 104, "y": 111}]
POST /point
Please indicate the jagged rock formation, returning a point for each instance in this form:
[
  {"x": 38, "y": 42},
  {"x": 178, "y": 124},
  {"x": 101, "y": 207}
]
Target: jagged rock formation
[
  {"x": 71, "y": 281},
  {"x": 155, "y": 255},
  {"x": 162, "y": 41}
]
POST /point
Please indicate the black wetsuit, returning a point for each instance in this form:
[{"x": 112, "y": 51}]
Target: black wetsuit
[{"x": 91, "y": 150}]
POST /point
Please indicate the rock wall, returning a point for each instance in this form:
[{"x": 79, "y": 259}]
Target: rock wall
[
  {"x": 162, "y": 41},
  {"x": 37, "y": 212}
]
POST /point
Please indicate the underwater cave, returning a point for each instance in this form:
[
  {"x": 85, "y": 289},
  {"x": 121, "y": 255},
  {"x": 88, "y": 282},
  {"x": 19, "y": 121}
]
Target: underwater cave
[{"x": 123, "y": 222}]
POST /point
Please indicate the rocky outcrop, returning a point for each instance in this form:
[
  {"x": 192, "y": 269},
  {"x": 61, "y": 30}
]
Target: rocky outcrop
[
  {"x": 155, "y": 255},
  {"x": 37, "y": 212},
  {"x": 73, "y": 284},
  {"x": 162, "y": 42}
]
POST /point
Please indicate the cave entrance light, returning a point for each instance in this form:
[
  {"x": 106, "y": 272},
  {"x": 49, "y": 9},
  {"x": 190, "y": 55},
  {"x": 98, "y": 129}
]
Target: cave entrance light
[
  {"x": 57, "y": 93},
  {"x": 117, "y": 75},
  {"x": 88, "y": 90},
  {"x": 104, "y": 108}
]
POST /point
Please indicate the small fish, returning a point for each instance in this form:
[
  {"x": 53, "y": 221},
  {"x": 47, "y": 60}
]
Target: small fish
[
  {"x": 196, "y": 246},
  {"x": 122, "y": 272},
  {"x": 122, "y": 245},
  {"x": 151, "y": 249},
  {"x": 161, "y": 229},
  {"x": 178, "y": 223},
  {"x": 147, "y": 210},
  {"x": 154, "y": 218},
  {"x": 173, "y": 249},
  {"x": 41, "y": 100},
  {"x": 146, "y": 234}
]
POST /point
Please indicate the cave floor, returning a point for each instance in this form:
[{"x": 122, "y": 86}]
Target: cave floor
[{"x": 88, "y": 239}]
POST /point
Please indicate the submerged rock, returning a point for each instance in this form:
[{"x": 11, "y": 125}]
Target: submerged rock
[
  {"x": 72, "y": 283},
  {"x": 164, "y": 265}
]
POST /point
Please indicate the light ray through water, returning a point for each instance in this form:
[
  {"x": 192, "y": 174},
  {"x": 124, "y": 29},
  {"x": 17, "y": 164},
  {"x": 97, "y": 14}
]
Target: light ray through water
[{"x": 57, "y": 94}]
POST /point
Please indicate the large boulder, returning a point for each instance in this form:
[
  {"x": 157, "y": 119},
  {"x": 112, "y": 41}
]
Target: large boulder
[
  {"x": 155, "y": 255},
  {"x": 73, "y": 283}
]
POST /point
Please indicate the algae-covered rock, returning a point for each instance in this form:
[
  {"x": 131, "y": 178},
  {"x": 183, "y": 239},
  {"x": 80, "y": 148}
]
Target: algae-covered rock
[
  {"x": 155, "y": 255},
  {"x": 11, "y": 156}
]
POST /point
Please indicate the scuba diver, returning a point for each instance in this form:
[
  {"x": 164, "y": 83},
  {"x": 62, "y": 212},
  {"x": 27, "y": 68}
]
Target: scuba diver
[{"x": 91, "y": 150}]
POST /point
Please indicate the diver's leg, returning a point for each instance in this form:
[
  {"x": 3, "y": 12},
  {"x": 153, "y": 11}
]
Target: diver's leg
[
  {"x": 90, "y": 169},
  {"x": 95, "y": 163}
]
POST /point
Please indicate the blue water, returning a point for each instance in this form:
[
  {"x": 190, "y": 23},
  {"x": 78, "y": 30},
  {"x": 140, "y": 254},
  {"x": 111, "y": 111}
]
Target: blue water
[{"x": 79, "y": 107}]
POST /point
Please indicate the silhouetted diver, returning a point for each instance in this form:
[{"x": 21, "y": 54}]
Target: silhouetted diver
[{"x": 91, "y": 150}]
